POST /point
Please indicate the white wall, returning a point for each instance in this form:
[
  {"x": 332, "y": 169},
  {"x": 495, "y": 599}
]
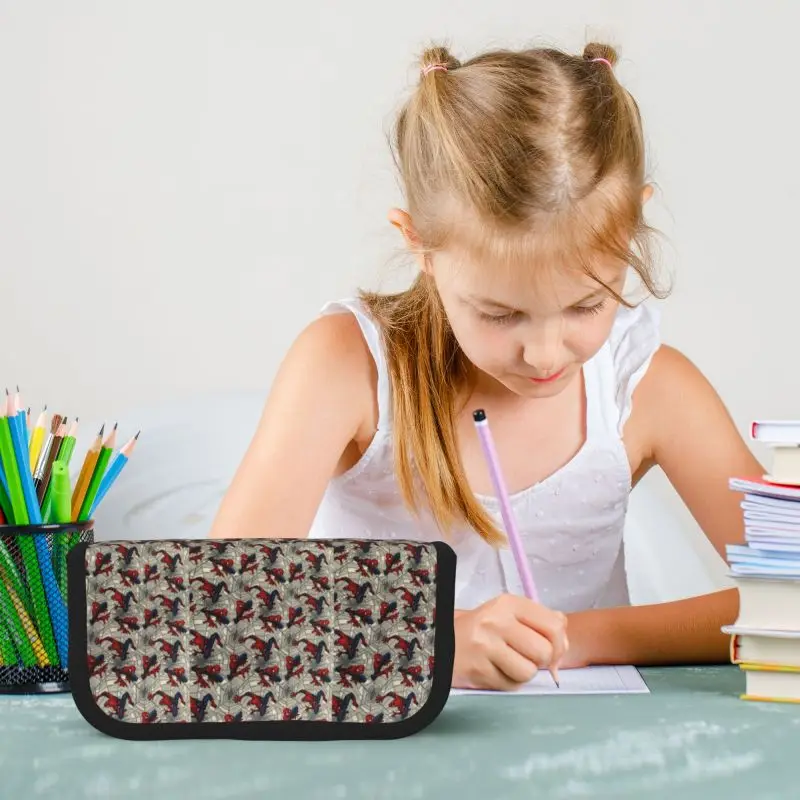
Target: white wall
[{"x": 183, "y": 184}]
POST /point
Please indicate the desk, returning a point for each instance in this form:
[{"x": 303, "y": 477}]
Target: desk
[{"x": 690, "y": 738}]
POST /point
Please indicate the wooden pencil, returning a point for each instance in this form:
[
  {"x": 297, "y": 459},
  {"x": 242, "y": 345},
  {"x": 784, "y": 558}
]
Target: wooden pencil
[
  {"x": 37, "y": 438},
  {"x": 82, "y": 484}
]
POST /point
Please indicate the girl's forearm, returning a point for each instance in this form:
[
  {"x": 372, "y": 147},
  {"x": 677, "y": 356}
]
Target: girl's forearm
[{"x": 677, "y": 632}]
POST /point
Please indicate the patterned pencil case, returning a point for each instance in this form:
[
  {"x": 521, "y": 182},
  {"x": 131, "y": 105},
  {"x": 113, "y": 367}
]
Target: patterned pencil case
[{"x": 261, "y": 639}]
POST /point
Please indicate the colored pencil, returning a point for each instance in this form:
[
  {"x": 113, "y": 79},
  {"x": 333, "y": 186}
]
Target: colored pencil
[
  {"x": 23, "y": 633},
  {"x": 8, "y": 654},
  {"x": 19, "y": 511},
  {"x": 5, "y": 502},
  {"x": 16, "y": 426},
  {"x": 82, "y": 484},
  {"x": 117, "y": 465},
  {"x": 14, "y": 578},
  {"x": 514, "y": 538},
  {"x": 97, "y": 474},
  {"x": 30, "y": 546},
  {"x": 56, "y": 604},
  {"x": 37, "y": 438}
]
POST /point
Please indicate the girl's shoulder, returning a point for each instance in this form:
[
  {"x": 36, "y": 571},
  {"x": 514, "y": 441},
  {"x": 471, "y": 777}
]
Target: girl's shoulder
[{"x": 634, "y": 340}]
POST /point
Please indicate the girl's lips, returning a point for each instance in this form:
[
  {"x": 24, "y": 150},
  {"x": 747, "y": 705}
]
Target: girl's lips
[{"x": 554, "y": 377}]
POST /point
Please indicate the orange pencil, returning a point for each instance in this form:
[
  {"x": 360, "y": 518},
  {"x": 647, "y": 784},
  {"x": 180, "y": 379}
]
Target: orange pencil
[{"x": 85, "y": 475}]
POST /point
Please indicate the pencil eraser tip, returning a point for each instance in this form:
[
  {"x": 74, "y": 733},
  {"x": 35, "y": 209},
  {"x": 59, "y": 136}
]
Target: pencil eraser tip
[{"x": 479, "y": 415}]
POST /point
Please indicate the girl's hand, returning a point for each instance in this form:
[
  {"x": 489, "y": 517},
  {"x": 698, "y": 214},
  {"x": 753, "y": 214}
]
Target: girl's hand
[{"x": 503, "y": 643}]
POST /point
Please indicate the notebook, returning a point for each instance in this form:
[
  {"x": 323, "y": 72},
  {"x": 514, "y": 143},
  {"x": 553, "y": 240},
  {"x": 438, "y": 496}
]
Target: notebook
[{"x": 585, "y": 680}]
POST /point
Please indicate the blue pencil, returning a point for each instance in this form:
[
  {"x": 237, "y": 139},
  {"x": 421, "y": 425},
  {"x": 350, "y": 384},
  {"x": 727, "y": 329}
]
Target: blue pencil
[
  {"x": 113, "y": 471},
  {"x": 55, "y": 603}
]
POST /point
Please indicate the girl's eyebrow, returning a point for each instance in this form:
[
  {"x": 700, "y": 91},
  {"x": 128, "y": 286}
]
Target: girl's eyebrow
[
  {"x": 487, "y": 301},
  {"x": 600, "y": 290}
]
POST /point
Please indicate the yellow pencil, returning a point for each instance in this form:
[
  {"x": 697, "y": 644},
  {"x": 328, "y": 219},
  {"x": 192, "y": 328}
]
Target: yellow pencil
[
  {"x": 28, "y": 626},
  {"x": 82, "y": 484},
  {"x": 37, "y": 437}
]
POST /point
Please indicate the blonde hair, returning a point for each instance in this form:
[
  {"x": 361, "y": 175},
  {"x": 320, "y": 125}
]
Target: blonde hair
[{"x": 536, "y": 149}]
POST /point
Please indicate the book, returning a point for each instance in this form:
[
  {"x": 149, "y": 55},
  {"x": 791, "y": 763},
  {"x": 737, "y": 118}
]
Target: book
[
  {"x": 763, "y": 646},
  {"x": 765, "y": 638},
  {"x": 773, "y": 683},
  {"x": 783, "y": 436},
  {"x": 769, "y": 603},
  {"x": 776, "y": 431}
]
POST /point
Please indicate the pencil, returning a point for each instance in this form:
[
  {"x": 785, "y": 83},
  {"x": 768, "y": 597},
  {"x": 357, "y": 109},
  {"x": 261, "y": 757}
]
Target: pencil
[
  {"x": 82, "y": 484},
  {"x": 23, "y": 633},
  {"x": 8, "y": 654},
  {"x": 514, "y": 538},
  {"x": 97, "y": 474},
  {"x": 13, "y": 577},
  {"x": 117, "y": 465},
  {"x": 55, "y": 602},
  {"x": 16, "y": 425},
  {"x": 14, "y": 485},
  {"x": 22, "y": 422},
  {"x": 35, "y": 557},
  {"x": 5, "y": 502},
  {"x": 37, "y": 437}
]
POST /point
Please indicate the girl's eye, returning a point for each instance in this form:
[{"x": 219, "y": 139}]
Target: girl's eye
[
  {"x": 501, "y": 319},
  {"x": 595, "y": 309}
]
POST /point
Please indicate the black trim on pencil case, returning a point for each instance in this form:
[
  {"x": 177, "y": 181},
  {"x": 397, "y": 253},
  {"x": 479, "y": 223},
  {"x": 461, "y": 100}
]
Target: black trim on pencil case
[{"x": 276, "y": 730}]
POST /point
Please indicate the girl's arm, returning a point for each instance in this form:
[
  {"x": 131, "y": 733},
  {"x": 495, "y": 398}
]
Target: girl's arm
[
  {"x": 679, "y": 423},
  {"x": 322, "y": 397}
]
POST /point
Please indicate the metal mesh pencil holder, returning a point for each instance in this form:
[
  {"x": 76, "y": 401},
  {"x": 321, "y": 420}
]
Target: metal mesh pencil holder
[{"x": 34, "y": 633}]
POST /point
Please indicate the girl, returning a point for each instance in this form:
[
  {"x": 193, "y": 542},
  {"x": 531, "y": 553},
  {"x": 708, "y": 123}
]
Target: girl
[{"x": 524, "y": 175}]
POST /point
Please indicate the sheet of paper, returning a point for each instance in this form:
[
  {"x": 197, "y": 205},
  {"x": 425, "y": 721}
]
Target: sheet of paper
[{"x": 587, "y": 680}]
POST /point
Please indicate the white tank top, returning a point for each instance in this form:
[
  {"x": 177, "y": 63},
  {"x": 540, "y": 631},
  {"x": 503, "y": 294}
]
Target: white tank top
[{"x": 571, "y": 522}]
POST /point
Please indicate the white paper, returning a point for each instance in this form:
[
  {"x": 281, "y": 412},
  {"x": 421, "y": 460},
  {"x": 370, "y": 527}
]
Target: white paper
[{"x": 587, "y": 680}]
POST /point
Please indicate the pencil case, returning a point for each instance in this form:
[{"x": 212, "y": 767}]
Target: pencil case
[{"x": 261, "y": 638}]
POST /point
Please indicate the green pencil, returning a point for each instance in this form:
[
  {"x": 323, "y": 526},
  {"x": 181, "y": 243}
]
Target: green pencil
[
  {"x": 17, "y": 630},
  {"x": 8, "y": 565},
  {"x": 97, "y": 476},
  {"x": 26, "y": 545},
  {"x": 8, "y": 655},
  {"x": 5, "y": 505}
]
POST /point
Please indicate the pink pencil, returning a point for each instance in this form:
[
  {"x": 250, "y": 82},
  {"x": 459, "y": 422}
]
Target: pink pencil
[{"x": 514, "y": 539}]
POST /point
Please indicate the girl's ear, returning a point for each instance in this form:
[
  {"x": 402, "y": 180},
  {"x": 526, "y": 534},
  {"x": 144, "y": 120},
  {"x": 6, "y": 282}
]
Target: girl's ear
[
  {"x": 647, "y": 193},
  {"x": 402, "y": 221}
]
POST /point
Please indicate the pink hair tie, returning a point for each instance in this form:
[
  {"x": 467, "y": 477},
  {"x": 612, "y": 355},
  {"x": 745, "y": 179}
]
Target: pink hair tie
[
  {"x": 605, "y": 61},
  {"x": 433, "y": 68}
]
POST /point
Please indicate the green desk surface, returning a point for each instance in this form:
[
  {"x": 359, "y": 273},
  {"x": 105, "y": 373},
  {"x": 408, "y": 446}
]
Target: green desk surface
[{"x": 690, "y": 738}]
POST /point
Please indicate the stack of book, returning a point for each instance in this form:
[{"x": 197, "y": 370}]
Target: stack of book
[{"x": 765, "y": 639}]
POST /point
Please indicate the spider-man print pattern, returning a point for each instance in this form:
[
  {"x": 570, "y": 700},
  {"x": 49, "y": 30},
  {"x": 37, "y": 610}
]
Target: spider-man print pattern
[{"x": 257, "y": 630}]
